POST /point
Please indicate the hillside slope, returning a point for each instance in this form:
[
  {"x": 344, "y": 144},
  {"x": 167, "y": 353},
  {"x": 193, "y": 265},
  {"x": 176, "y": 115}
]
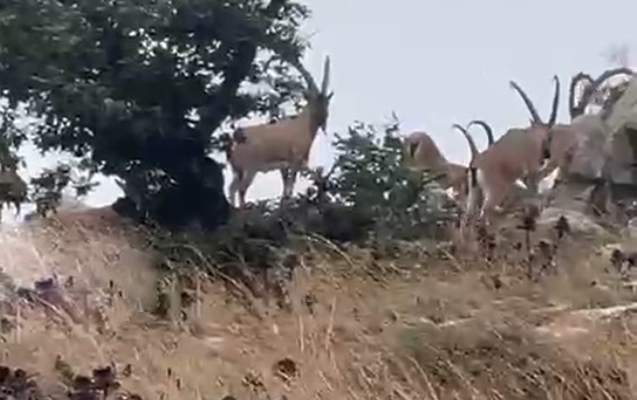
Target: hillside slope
[{"x": 422, "y": 324}]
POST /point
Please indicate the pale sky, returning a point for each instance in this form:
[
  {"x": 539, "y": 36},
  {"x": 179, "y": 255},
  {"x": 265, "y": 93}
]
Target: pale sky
[{"x": 439, "y": 62}]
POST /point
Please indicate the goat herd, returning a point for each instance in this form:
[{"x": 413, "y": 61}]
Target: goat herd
[{"x": 522, "y": 156}]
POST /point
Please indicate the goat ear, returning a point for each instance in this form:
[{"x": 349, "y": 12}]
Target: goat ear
[{"x": 329, "y": 96}]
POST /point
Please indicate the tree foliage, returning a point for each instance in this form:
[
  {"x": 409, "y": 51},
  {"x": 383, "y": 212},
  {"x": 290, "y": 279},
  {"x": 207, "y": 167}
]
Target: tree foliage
[
  {"x": 137, "y": 88},
  {"x": 47, "y": 189}
]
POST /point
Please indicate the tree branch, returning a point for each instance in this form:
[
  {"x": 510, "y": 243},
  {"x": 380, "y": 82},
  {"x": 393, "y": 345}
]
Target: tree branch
[{"x": 235, "y": 72}]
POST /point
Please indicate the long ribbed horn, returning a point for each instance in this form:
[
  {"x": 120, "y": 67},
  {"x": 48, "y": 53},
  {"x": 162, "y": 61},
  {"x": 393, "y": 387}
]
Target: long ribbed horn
[
  {"x": 486, "y": 127},
  {"x": 472, "y": 144},
  {"x": 573, "y": 106},
  {"x": 556, "y": 102},
  {"x": 527, "y": 102},
  {"x": 311, "y": 85},
  {"x": 326, "y": 76},
  {"x": 590, "y": 90}
]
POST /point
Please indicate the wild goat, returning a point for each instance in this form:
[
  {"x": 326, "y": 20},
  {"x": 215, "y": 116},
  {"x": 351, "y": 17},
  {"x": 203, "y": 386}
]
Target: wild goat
[
  {"x": 283, "y": 145},
  {"x": 579, "y": 108},
  {"x": 422, "y": 154},
  {"x": 567, "y": 139},
  {"x": 518, "y": 154}
]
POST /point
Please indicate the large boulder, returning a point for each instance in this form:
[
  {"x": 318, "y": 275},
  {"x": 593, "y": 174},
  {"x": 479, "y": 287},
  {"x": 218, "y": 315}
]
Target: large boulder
[
  {"x": 592, "y": 134},
  {"x": 607, "y": 149},
  {"x": 622, "y": 144},
  {"x": 578, "y": 221}
]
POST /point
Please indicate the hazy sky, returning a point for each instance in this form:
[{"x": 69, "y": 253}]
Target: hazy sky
[{"x": 439, "y": 62}]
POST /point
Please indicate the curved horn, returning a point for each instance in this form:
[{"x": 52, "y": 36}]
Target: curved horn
[
  {"x": 311, "y": 85},
  {"x": 573, "y": 107},
  {"x": 326, "y": 75},
  {"x": 592, "y": 88},
  {"x": 486, "y": 128},
  {"x": 556, "y": 102},
  {"x": 472, "y": 144},
  {"x": 527, "y": 102}
]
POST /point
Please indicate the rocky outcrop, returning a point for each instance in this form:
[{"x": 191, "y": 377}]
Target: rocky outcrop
[
  {"x": 607, "y": 150},
  {"x": 622, "y": 144}
]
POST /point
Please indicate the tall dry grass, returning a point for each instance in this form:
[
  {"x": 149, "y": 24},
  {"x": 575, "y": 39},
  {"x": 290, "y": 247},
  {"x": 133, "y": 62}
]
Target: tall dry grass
[{"x": 417, "y": 326}]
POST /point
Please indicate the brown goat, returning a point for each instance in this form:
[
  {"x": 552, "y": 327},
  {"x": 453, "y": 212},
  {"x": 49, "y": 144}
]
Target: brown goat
[
  {"x": 422, "y": 154},
  {"x": 518, "y": 154}
]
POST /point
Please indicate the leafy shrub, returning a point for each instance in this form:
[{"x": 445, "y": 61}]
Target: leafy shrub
[
  {"x": 48, "y": 187},
  {"x": 373, "y": 180}
]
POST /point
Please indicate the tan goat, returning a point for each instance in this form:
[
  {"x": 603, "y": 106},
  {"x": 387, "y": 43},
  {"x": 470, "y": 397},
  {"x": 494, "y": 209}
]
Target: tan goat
[
  {"x": 422, "y": 154},
  {"x": 518, "y": 154},
  {"x": 283, "y": 145}
]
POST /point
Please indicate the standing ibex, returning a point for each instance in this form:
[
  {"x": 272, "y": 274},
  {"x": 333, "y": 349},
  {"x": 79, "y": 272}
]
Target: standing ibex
[
  {"x": 283, "y": 145},
  {"x": 518, "y": 154},
  {"x": 422, "y": 154}
]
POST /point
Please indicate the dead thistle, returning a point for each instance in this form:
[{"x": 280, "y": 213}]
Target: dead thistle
[{"x": 562, "y": 227}]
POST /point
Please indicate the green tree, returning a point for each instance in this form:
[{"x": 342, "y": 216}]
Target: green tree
[{"x": 137, "y": 88}]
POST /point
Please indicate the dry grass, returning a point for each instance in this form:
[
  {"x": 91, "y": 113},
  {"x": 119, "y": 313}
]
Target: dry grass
[
  {"x": 92, "y": 249},
  {"x": 417, "y": 327}
]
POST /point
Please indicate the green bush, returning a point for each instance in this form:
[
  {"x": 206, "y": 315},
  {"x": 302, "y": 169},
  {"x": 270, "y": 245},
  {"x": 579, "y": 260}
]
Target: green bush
[{"x": 373, "y": 180}]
